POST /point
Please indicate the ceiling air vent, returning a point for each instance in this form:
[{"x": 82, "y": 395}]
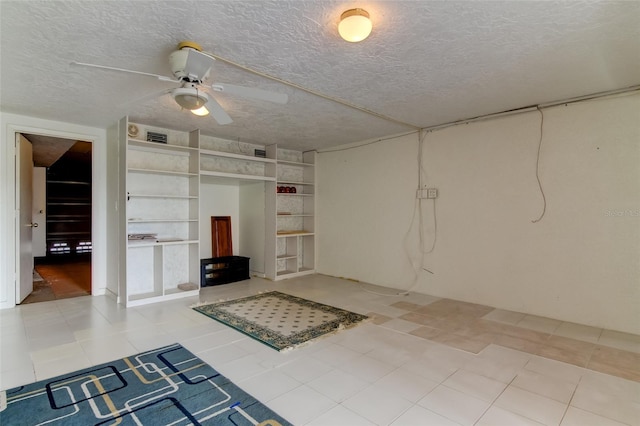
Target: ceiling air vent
[{"x": 156, "y": 137}]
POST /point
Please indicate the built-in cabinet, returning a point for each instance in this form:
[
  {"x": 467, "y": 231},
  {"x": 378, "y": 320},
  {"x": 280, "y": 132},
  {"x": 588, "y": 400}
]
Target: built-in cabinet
[
  {"x": 160, "y": 189},
  {"x": 291, "y": 206},
  {"x": 159, "y": 195}
]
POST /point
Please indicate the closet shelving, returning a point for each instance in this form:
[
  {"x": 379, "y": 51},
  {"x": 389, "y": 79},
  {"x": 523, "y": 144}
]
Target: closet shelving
[
  {"x": 160, "y": 193},
  {"x": 65, "y": 212},
  {"x": 294, "y": 218}
]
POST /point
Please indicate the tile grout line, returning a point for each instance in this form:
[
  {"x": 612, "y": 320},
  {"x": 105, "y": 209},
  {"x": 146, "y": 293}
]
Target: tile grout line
[
  {"x": 495, "y": 399},
  {"x": 593, "y": 351},
  {"x": 573, "y": 394}
]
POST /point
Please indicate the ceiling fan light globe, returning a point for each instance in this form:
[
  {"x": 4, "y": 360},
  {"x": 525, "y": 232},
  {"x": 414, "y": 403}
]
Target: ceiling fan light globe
[
  {"x": 190, "y": 98},
  {"x": 189, "y": 101},
  {"x": 201, "y": 112}
]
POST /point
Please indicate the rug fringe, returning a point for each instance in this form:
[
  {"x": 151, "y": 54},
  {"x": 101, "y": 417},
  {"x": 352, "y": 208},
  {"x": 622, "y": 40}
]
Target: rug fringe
[
  {"x": 340, "y": 327},
  {"x": 198, "y": 304}
]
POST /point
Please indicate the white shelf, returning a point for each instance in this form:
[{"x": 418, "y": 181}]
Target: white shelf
[
  {"x": 160, "y": 220},
  {"x": 154, "y": 297},
  {"x": 287, "y": 256},
  {"x": 293, "y": 215},
  {"x": 159, "y": 243},
  {"x": 144, "y": 296},
  {"x": 161, "y": 172},
  {"x": 296, "y": 234},
  {"x": 294, "y": 183},
  {"x": 297, "y": 194},
  {"x": 235, "y": 156},
  {"x": 177, "y": 242},
  {"x": 292, "y": 274},
  {"x": 160, "y": 147},
  {"x": 295, "y": 163},
  {"x": 176, "y": 197},
  {"x": 238, "y": 176},
  {"x": 179, "y": 292}
]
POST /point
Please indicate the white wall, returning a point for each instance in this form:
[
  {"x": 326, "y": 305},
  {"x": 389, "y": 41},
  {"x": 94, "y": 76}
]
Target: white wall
[
  {"x": 218, "y": 199},
  {"x": 244, "y": 202},
  {"x": 9, "y": 125},
  {"x": 252, "y": 224},
  {"x": 365, "y": 198},
  {"x": 580, "y": 263}
]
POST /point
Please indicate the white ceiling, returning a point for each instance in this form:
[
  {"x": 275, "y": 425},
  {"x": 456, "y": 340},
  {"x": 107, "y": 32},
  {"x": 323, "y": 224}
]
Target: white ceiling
[
  {"x": 425, "y": 63},
  {"x": 47, "y": 150}
]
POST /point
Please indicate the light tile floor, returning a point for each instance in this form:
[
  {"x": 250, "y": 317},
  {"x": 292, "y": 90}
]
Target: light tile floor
[{"x": 421, "y": 361}]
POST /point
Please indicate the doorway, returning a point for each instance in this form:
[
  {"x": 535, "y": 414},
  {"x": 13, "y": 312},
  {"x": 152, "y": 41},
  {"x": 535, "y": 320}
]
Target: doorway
[{"x": 62, "y": 206}]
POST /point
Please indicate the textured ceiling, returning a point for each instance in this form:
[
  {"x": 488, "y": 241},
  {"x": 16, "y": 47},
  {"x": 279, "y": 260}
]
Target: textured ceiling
[
  {"x": 426, "y": 63},
  {"x": 47, "y": 150}
]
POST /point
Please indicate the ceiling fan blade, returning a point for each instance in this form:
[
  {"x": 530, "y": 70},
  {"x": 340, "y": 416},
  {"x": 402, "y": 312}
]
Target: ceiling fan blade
[
  {"x": 104, "y": 67},
  {"x": 217, "y": 112},
  {"x": 251, "y": 93}
]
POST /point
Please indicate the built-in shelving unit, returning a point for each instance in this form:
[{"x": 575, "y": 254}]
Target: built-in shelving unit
[
  {"x": 291, "y": 203},
  {"x": 160, "y": 196},
  {"x": 159, "y": 190}
]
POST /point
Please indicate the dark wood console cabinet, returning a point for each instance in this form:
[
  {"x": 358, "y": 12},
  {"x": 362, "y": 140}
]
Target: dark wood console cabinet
[{"x": 223, "y": 270}]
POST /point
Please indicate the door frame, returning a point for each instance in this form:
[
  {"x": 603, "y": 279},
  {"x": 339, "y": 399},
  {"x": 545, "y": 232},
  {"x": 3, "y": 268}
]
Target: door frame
[{"x": 9, "y": 262}]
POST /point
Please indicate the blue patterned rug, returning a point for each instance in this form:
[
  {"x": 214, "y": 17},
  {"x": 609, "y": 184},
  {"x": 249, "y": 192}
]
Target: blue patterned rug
[
  {"x": 164, "y": 386},
  {"x": 280, "y": 320}
]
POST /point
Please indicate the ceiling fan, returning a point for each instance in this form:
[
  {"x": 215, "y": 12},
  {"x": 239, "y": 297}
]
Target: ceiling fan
[{"x": 191, "y": 67}]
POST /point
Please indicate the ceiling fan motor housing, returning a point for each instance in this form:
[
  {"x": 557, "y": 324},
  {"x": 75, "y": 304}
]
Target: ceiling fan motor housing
[
  {"x": 178, "y": 62},
  {"x": 189, "y": 64}
]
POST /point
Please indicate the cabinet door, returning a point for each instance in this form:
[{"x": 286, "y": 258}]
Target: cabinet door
[{"x": 221, "y": 244}]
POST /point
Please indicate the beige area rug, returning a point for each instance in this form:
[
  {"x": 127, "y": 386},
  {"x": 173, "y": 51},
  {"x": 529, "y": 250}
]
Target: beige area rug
[{"x": 280, "y": 320}]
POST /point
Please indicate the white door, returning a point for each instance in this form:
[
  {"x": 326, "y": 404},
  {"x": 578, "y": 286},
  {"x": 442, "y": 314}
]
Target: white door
[{"x": 24, "y": 199}]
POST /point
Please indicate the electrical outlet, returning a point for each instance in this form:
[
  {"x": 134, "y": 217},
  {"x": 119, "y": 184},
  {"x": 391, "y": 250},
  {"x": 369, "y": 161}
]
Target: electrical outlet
[{"x": 429, "y": 193}]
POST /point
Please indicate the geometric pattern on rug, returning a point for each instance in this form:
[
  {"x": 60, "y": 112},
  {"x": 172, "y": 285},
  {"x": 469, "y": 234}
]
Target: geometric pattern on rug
[
  {"x": 280, "y": 320},
  {"x": 163, "y": 386}
]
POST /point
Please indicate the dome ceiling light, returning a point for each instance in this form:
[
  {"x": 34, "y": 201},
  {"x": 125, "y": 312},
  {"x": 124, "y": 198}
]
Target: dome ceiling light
[
  {"x": 355, "y": 25},
  {"x": 192, "y": 99}
]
